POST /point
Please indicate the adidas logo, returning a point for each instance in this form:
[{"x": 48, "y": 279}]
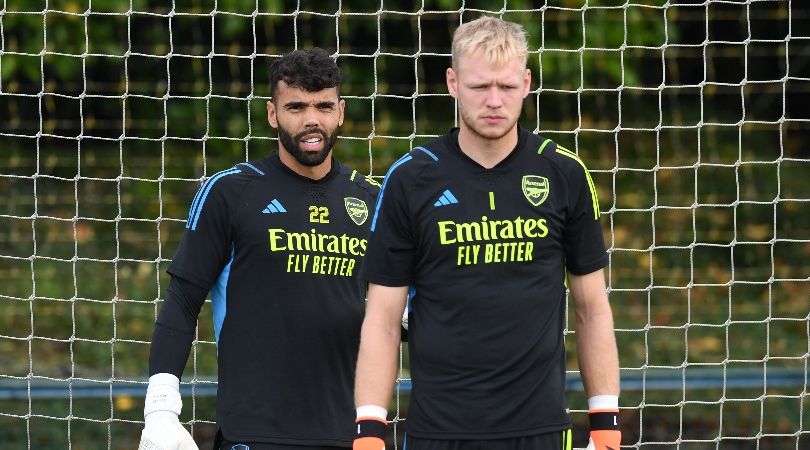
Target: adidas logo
[
  {"x": 274, "y": 207},
  {"x": 447, "y": 198}
]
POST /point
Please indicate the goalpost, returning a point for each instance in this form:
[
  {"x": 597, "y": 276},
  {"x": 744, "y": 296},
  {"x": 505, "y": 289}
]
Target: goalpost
[{"x": 691, "y": 117}]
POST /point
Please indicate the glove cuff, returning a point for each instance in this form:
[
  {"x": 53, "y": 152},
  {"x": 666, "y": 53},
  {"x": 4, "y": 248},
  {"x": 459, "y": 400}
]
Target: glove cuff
[
  {"x": 604, "y": 420},
  {"x": 370, "y": 427},
  {"x": 163, "y": 394}
]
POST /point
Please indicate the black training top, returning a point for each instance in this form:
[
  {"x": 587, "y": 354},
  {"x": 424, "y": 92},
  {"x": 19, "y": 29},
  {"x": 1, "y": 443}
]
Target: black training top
[
  {"x": 281, "y": 254},
  {"x": 485, "y": 252}
]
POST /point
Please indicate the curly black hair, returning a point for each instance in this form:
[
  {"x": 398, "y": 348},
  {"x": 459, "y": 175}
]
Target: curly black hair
[{"x": 310, "y": 70}]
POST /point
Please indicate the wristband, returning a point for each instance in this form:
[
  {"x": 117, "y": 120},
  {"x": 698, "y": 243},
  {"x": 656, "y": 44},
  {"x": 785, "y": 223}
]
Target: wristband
[
  {"x": 603, "y": 413},
  {"x": 608, "y": 402},
  {"x": 373, "y": 428},
  {"x": 604, "y": 420},
  {"x": 370, "y": 434},
  {"x": 371, "y": 412}
]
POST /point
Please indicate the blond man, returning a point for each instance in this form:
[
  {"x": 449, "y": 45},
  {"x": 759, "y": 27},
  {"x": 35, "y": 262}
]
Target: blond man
[{"x": 485, "y": 224}]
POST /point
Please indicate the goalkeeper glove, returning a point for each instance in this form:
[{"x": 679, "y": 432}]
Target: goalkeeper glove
[
  {"x": 162, "y": 430},
  {"x": 603, "y": 411},
  {"x": 370, "y": 428}
]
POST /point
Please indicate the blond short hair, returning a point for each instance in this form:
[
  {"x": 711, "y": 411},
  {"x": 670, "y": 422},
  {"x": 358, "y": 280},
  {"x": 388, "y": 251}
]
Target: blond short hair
[{"x": 497, "y": 40}]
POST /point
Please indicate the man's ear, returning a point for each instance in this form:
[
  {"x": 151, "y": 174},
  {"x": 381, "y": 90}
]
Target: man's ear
[
  {"x": 452, "y": 82},
  {"x": 271, "y": 114},
  {"x": 527, "y": 82}
]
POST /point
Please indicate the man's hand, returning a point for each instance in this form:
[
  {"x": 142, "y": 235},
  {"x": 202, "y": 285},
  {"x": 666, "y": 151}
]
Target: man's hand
[{"x": 163, "y": 430}]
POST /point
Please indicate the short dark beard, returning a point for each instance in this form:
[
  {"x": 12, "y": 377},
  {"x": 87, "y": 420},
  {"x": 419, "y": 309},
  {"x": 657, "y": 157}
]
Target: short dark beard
[{"x": 309, "y": 159}]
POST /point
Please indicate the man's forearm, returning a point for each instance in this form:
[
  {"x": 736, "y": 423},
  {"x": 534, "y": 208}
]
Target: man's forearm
[
  {"x": 376, "y": 365},
  {"x": 597, "y": 353},
  {"x": 379, "y": 344}
]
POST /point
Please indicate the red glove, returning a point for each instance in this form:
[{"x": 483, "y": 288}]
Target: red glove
[
  {"x": 370, "y": 434},
  {"x": 605, "y": 434}
]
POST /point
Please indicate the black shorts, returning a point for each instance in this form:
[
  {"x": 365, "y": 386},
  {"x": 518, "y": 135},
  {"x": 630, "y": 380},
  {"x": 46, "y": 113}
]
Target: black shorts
[
  {"x": 557, "y": 440},
  {"x": 227, "y": 445},
  {"x": 220, "y": 443}
]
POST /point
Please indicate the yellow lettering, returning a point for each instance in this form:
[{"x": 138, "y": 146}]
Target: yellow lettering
[
  {"x": 298, "y": 241},
  {"x": 468, "y": 231},
  {"x": 528, "y": 228},
  {"x": 451, "y": 232},
  {"x": 507, "y": 231},
  {"x": 334, "y": 244},
  {"x": 275, "y": 239},
  {"x": 281, "y": 240},
  {"x": 444, "y": 230},
  {"x": 519, "y": 227},
  {"x": 541, "y": 224}
]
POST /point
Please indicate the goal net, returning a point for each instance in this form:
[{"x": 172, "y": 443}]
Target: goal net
[{"x": 689, "y": 115}]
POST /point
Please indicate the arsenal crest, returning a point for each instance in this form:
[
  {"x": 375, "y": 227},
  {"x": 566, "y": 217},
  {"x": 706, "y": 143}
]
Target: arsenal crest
[
  {"x": 535, "y": 188},
  {"x": 356, "y": 209}
]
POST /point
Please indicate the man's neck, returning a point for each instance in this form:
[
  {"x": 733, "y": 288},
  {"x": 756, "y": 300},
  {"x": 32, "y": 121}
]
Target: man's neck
[
  {"x": 311, "y": 172},
  {"x": 486, "y": 152}
]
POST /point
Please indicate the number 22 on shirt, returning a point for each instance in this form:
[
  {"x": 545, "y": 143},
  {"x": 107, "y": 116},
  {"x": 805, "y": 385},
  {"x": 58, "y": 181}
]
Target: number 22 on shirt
[{"x": 318, "y": 214}]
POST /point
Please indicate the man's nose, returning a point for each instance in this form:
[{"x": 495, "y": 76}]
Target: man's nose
[
  {"x": 494, "y": 97},
  {"x": 311, "y": 119}
]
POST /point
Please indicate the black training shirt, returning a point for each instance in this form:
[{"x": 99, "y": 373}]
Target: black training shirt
[{"x": 281, "y": 254}]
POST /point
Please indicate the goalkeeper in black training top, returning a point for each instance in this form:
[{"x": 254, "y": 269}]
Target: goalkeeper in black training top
[
  {"x": 278, "y": 243},
  {"x": 485, "y": 224}
]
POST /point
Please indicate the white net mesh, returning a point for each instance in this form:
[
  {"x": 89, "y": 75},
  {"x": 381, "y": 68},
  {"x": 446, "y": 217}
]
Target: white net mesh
[{"x": 689, "y": 115}]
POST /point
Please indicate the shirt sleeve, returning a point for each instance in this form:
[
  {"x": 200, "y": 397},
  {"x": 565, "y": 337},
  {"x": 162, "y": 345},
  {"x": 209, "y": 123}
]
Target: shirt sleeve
[
  {"x": 391, "y": 249},
  {"x": 205, "y": 247},
  {"x": 583, "y": 242},
  {"x": 200, "y": 258},
  {"x": 174, "y": 328}
]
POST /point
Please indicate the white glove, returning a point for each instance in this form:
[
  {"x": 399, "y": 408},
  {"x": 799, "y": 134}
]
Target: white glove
[
  {"x": 161, "y": 410},
  {"x": 405, "y": 318}
]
